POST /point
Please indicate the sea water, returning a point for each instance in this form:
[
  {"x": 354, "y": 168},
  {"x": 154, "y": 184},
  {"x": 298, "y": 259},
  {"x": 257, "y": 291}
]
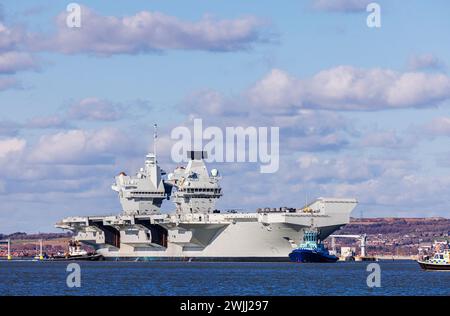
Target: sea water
[{"x": 213, "y": 278}]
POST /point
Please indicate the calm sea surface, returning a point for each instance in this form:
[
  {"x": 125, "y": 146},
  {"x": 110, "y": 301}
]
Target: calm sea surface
[{"x": 194, "y": 278}]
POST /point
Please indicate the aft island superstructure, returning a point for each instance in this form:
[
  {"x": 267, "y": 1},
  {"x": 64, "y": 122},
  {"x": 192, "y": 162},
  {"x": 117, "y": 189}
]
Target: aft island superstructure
[{"x": 196, "y": 230}]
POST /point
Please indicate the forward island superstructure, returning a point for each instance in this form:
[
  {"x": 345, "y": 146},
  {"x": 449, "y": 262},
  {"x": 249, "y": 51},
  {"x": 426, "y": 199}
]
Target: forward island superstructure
[{"x": 196, "y": 230}]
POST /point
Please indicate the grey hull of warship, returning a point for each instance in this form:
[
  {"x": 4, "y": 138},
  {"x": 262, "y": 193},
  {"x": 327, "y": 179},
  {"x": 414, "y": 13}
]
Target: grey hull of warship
[{"x": 195, "y": 230}]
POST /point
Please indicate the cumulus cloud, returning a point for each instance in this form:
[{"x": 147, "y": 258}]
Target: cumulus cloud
[
  {"x": 49, "y": 174},
  {"x": 409, "y": 193},
  {"x": 98, "y": 109},
  {"x": 439, "y": 126},
  {"x": 212, "y": 103},
  {"x": 305, "y": 109},
  {"x": 348, "y": 168},
  {"x": 277, "y": 92},
  {"x": 386, "y": 139},
  {"x": 50, "y": 121},
  {"x": 383, "y": 186},
  {"x": 316, "y": 142},
  {"x": 11, "y": 38},
  {"x": 70, "y": 155},
  {"x": 350, "y": 88},
  {"x": 11, "y": 145},
  {"x": 426, "y": 61},
  {"x": 147, "y": 32},
  {"x": 80, "y": 147},
  {"x": 312, "y": 130},
  {"x": 89, "y": 109},
  {"x": 377, "y": 182},
  {"x": 300, "y": 129},
  {"x": 12, "y": 62},
  {"x": 13, "y": 42},
  {"x": 12, "y": 57},
  {"x": 94, "y": 109},
  {"x": 341, "y": 5}
]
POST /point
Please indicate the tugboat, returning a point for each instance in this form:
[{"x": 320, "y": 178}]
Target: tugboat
[
  {"x": 311, "y": 250},
  {"x": 76, "y": 253},
  {"x": 439, "y": 262}
]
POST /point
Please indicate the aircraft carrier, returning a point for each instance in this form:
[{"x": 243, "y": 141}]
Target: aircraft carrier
[{"x": 196, "y": 230}]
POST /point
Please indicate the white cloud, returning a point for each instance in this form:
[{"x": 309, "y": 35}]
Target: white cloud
[
  {"x": 63, "y": 173},
  {"x": 11, "y": 145},
  {"x": 276, "y": 92},
  {"x": 427, "y": 194},
  {"x": 333, "y": 141},
  {"x": 305, "y": 109},
  {"x": 12, "y": 59},
  {"x": 213, "y": 104},
  {"x": 385, "y": 139},
  {"x": 81, "y": 147},
  {"x": 11, "y": 38},
  {"x": 426, "y": 61},
  {"x": 350, "y": 88},
  {"x": 90, "y": 109},
  {"x": 439, "y": 126},
  {"x": 347, "y": 168},
  {"x": 60, "y": 148},
  {"x": 300, "y": 129},
  {"x": 12, "y": 62},
  {"x": 51, "y": 121},
  {"x": 382, "y": 186},
  {"x": 379, "y": 184},
  {"x": 353, "y": 165},
  {"x": 306, "y": 161},
  {"x": 148, "y": 31},
  {"x": 94, "y": 109}
]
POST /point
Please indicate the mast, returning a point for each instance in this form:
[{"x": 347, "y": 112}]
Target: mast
[
  {"x": 155, "y": 136},
  {"x": 41, "y": 256},
  {"x": 9, "y": 249}
]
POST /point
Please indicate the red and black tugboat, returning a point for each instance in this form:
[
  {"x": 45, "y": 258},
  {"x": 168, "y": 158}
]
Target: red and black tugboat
[{"x": 75, "y": 253}]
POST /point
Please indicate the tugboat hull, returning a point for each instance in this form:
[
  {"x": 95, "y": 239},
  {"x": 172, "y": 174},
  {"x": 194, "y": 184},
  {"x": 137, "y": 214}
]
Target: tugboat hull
[
  {"x": 94, "y": 257},
  {"x": 310, "y": 256},
  {"x": 434, "y": 266}
]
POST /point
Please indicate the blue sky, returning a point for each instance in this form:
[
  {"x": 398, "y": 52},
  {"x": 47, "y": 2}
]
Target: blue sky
[{"x": 362, "y": 112}]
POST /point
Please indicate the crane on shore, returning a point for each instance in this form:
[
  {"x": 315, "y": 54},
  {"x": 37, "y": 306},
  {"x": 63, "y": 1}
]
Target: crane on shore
[{"x": 362, "y": 239}]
